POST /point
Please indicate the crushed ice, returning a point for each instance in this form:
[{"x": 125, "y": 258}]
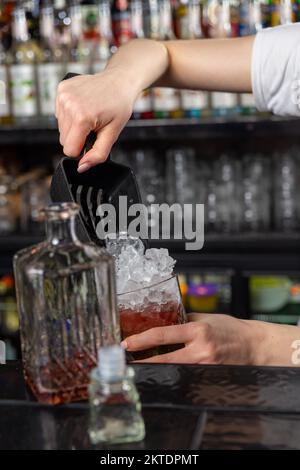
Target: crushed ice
[{"x": 136, "y": 269}]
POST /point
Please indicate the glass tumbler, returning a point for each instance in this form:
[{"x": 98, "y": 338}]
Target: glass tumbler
[{"x": 159, "y": 304}]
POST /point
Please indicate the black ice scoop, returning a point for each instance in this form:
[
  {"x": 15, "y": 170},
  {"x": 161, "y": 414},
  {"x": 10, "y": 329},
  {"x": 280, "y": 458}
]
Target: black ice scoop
[{"x": 104, "y": 183}]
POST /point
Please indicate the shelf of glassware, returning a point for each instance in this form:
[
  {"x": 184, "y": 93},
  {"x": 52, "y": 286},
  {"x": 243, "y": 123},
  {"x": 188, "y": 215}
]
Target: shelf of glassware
[
  {"x": 40, "y": 131},
  {"x": 267, "y": 252}
]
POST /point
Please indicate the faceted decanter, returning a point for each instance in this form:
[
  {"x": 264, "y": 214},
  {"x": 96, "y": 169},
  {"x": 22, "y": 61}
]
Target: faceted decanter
[{"x": 67, "y": 308}]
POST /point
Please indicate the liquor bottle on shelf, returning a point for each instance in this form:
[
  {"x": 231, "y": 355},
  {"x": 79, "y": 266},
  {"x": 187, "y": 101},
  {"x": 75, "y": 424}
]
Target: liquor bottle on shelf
[
  {"x": 105, "y": 23},
  {"x": 136, "y": 19},
  {"x": 121, "y": 21},
  {"x": 143, "y": 105},
  {"x": 223, "y": 103},
  {"x": 194, "y": 103},
  {"x": 166, "y": 101},
  {"x": 265, "y": 13},
  {"x": 6, "y": 9},
  {"x": 251, "y": 22},
  {"x": 274, "y": 12},
  {"x": 89, "y": 12},
  {"x": 5, "y": 113},
  {"x": 51, "y": 69},
  {"x": 80, "y": 52},
  {"x": 23, "y": 58},
  {"x": 297, "y": 11},
  {"x": 32, "y": 11},
  {"x": 151, "y": 19},
  {"x": 62, "y": 22},
  {"x": 287, "y": 12},
  {"x": 182, "y": 24},
  {"x": 188, "y": 19},
  {"x": 234, "y": 17},
  {"x": 103, "y": 43}
]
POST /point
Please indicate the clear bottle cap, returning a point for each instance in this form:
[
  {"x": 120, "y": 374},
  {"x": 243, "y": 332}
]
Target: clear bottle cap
[{"x": 111, "y": 362}]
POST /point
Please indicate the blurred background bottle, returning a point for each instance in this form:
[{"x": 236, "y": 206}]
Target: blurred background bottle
[
  {"x": 25, "y": 54},
  {"x": 287, "y": 11},
  {"x": 121, "y": 21},
  {"x": 103, "y": 41},
  {"x": 251, "y": 22},
  {"x": 80, "y": 52},
  {"x": 151, "y": 19},
  {"x": 51, "y": 68},
  {"x": 166, "y": 101},
  {"x": 188, "y": 26},
  {"x": 143, "y": 105},
  {"x": 219, "y": 18}
]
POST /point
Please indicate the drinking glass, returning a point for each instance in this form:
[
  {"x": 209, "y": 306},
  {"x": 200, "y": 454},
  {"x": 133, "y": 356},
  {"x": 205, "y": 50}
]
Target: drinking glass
[
  {"x": 159, "y": 304},
  {"x": 286, "y": 192},
  {"x": 180, "y": 176},
  {"x": 256, "y": 194},
  {"x": 226, "y": 176}
]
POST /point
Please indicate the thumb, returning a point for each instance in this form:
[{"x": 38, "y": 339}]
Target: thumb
[{"x": 106, "y": 137}]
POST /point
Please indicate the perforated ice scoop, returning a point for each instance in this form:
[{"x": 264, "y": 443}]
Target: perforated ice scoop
[{"x": 104, "y": 183}]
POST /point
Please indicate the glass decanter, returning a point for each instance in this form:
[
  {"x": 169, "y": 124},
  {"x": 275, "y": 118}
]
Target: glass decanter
[{"x": 67, "y": 308}]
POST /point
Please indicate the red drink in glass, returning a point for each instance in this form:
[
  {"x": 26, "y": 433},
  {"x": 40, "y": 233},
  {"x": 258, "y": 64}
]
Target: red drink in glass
[{"x": 135, "y": 319}]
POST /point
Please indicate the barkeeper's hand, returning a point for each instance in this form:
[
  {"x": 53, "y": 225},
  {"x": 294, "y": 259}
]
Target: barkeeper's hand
[
  {"x": 103, "y": 102},
  {"x": 222, "y": 339},
  {"x": 207, "y": 339},
  {"x": 88, "y": 103}
]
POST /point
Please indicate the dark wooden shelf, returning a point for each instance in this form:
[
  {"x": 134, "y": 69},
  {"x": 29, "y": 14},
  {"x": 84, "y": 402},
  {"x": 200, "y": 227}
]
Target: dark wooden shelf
[
  {"x": 271, "y": 242},
  {"x": 40, "y": 132}
]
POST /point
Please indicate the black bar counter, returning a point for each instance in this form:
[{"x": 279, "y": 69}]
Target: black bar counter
[{"x": 185, "y": 407}]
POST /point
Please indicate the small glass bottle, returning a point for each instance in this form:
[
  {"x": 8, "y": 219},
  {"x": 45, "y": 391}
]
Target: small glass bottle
[
  {"x": 115, "y": 408},
  {"x": 67, "y": 308}
]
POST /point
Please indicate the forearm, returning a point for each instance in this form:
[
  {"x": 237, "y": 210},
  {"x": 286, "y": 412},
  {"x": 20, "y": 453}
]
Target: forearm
[
  {"x": 214, "y": 64},
  {"x": 274, "y": 345},
  {"x": 210, "y": 64}
]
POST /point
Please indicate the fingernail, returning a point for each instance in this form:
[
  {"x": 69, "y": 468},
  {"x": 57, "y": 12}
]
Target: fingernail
[
  {"x": 124, "y": 344},
  {"x": 84, "y": 167}
]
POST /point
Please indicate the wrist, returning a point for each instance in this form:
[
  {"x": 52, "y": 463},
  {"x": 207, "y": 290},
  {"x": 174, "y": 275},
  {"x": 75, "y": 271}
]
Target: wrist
[
  {"x": 123, "y": 79},
  {"x": 139, "y": 64},
  {"x": 257, "y": 341}
]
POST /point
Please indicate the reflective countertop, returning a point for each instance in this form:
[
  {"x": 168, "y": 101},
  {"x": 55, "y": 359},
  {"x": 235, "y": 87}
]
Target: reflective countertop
[{"x": 184, "y": 406}]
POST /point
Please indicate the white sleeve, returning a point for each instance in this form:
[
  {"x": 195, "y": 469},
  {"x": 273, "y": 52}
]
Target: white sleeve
[{"x": 275, "y": 70}]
